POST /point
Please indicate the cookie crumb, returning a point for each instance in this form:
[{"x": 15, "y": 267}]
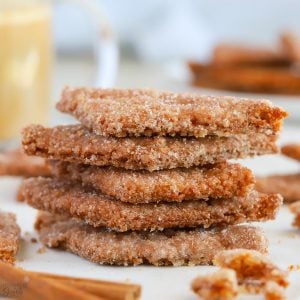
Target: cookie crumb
[
  {"x": 293, "y": 268},
  {"x": 292, "y": 235},
  {"x": 295, "y": 209},
  {"x": 41, "y": 250},
  {"x": 220, "y": 285},
  {"x": 273, "y": 291}
]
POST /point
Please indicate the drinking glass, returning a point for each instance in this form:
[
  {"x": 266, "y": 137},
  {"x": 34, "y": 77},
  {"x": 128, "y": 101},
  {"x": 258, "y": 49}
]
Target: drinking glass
[{"x": 26, "y": 59}]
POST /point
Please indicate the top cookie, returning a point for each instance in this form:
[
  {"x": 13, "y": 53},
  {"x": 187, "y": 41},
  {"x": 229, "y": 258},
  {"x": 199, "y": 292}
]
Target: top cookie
[{"x": 138, "y": 112}]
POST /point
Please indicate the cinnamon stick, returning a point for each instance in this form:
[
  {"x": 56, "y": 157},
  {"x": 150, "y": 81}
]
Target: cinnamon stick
[
  {"x": 21, "y": 284},
  {"x": 107, "y": 289}
]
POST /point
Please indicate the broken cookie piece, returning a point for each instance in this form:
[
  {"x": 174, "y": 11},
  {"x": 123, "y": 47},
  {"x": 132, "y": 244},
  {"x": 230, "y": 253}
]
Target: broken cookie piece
[
  {"x": 224, "y": 285},
  {"x": 251, "y": 266},
  {"x": 220, "y": 285},
  {"x": 9, "y": 237}
]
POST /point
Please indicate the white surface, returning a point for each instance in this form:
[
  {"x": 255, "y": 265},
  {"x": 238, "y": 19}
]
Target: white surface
[{"x": 164, "y": 282}]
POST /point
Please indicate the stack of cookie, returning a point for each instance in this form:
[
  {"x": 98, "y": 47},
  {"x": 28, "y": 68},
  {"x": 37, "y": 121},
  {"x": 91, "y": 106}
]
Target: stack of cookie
[{"x": 145, "y": 178}]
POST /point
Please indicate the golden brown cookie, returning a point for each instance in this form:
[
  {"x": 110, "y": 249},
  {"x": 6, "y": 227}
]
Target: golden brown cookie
[
  {"x": 169, "y": 247},
  {"x": 224, "y": 180},
  {"x": 138, "y": 112},
  {"x": 71, "y": 199},
  {"x": 74, "y": 143}
]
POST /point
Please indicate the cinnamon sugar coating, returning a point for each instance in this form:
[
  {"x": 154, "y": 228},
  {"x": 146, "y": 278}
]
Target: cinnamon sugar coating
[
  {"x": 142, "y": 112},
  {"x": 74, "y": 143},
  {"x": 251, "y": 265},
  {"x": 295, "y": 209},
  {"x": 16, "y": 163},
  {"x": 224, "y": 180},
  {"x": 73, "y": 200},
  {"x": 292, "y": 151},
  {"x": 169, "y": 247},
  {"x": 9, "y": 237},
  {"x": 220, "y": 285},
  {"x": 288, "y": 186}
]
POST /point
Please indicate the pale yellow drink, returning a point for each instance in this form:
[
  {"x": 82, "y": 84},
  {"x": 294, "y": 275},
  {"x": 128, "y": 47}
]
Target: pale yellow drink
[{"x": 25, "y": 62}]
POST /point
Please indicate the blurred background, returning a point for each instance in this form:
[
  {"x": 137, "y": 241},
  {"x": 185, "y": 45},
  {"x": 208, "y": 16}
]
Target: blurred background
[
  {"x": 157, "y": 44},
  {"x": 160, "y": 36},
  {"x": 155, "y": 39},
  {"x": 164, "y": 30}
]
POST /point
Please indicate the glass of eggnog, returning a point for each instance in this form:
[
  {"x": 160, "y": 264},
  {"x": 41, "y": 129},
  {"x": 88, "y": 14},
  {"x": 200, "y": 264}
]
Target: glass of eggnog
[{"x": 26, "y": 57}]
